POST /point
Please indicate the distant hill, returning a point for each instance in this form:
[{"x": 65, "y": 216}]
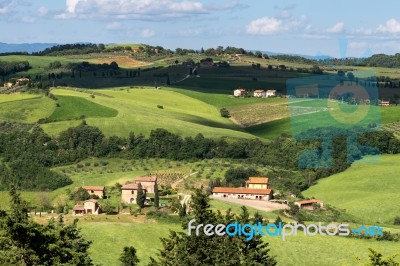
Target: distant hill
[{"x": 24, "y": 47}]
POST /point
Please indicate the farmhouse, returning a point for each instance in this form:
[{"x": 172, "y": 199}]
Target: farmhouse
[
  {"x": 256, "y": 188},
  {"x": 129, "y": 193},
  {"x": 22, "y": 81},
  {"x": 384, "y": 103},
  {"x": 270, "y": 93},
  {"x": 8, "y": 85},
  {"x": 258, "y": 182},
  {"x": 95, "y": 190},
  {"x": 148, "y": 182},
  {"x": 239, "y": 92},
  {"x": 309, "y": 204},
  {"x": 90, "y": 206},
  {"x": 242, "y": 193},
  {"x": 259, "y": 93}
]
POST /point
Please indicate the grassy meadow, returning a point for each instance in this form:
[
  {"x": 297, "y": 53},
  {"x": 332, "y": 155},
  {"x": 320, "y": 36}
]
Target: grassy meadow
[
  {"x": 368, "y": 190},
  {"x": 141, "y": 110}
]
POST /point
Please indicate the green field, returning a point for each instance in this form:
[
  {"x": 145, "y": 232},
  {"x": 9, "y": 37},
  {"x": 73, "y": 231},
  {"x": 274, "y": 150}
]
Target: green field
[
  {"x": 142, "y": 110},
  {"x": 369, "y": 191},
  {"x": 72, "y": 107},
  {"x": 28, "y": 109},
  {"x": 109, "y": 238}
]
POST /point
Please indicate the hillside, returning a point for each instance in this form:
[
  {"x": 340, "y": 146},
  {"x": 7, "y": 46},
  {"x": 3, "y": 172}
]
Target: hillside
[
  {"x": 141, "y": 110},
  {"x": 368, "y": 190}
]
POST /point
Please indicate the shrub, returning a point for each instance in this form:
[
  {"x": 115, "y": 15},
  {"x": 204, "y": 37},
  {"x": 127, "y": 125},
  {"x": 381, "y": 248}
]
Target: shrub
[
  {"x": 160, "y": 107},
  {"x": 397, "y": 220}
]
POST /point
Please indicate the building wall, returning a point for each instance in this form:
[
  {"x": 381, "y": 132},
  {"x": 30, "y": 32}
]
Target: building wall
[
  {"x": 98, "y": 193},
  {"x": 263, "y": 186},
  {"x": 149, "y": 186},
  {"x": 129, "y": 196},
  {"x": 242, "y": 196},
  {"x": 91, "y": 207}
]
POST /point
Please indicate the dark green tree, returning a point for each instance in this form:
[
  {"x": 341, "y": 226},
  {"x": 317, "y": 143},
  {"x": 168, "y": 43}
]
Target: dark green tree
[
  {"x": 129, "y": 257},
  {"x": 224, "y": 112},
  {"x": 25, "y": 242},
  {"x": 183, "y": 249},
  {"x": 182, "y": 210},
  {"x": 141, "y": 196},
  {"x": 156, "y": 196}
]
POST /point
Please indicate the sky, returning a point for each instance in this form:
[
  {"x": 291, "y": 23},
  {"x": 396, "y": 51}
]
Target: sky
[{"x": 337, "y": 28}]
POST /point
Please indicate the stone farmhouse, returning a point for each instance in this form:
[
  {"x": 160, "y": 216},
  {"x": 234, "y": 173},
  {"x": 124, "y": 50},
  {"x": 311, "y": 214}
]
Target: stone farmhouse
[
  {"x": 148, "y": 182},
  {"x": 270, "y": 93},
  {"x": 257, "y": 188},
  {"x": 95, "y": 190},
  {"x": 90, "y": 206},
  {"x": 239, "y": 92},
  {"x": 259, "y": 93},
  {"x": 129, "y": 193},
  {"x": 309, "y": 204}
]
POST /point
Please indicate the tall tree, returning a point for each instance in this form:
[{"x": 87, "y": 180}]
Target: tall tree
[
  {"x": 141, "y": 196},
  {"x": 156, "y": 196},
  {"x": 129, "y": 257},
  {"x": 25, "y": 242},
  {"x": 180, "y": 248}
]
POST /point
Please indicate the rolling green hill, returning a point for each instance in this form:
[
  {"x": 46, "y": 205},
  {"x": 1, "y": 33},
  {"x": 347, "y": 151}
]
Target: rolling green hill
[
  {"x": 142, "y": 110},
  {"x": 72, "y": 107},
  {"x": 369, "y": 191}
]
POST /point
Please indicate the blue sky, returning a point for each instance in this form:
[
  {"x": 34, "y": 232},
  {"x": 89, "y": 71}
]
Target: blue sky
[{"x": 336, "y": 28}]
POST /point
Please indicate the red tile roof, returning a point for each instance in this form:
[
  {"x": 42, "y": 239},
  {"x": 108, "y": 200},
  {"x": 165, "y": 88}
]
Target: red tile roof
[
  {"x": 235, "y": 190},
  {"x": 146, "y": 179},
  {"x": 96, "y": 188},
  {"x": 130, "y": 186},
  {"x": 257, "y": 180},
  {"x": 257, "y": 91},
  {"x": 309, "y": 201},
  {"x": 78, "y": 207}
]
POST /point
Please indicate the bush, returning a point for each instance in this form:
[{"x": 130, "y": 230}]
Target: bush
[
  {"x": 160, "y": 107},
  {"x": 397, "y": 220},
  {"x": 224, "y": 112}
]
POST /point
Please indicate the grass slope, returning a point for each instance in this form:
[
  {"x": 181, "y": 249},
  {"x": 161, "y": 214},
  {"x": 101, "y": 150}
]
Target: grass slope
[
  {"x": 72, "y": 107},
  {"x": 138, "y": 112},
  {"x": 367, "y": 190},
  {"x": 27, "y": 109}
]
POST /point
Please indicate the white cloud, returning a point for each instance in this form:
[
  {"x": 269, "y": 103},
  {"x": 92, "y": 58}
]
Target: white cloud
[
  {"x": 147, "y": 33},
  {"x": 114, "y": 26},
  {"x": 391, "y": 26},
  {"x": 138, "y": 9},
  {"x": 264, "y": 26},
  {"x": 6, "y": 6},
  {"x": 42, "y": 11},
  {"x": 337, "y": 28},
  {"x": 271, "y": 25}
]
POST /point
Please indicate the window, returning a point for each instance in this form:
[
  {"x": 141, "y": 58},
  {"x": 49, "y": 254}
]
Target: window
[
  {"x": 132, "y": 192},
  {"x": 92, "y": 191}
]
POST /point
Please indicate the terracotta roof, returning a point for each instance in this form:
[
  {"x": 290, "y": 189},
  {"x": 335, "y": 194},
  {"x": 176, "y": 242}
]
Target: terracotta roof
[
  {"x": 271, "y": 90},
  {"x": 78, "y": 207},
  {"x": 240, "y": 90},
  {"x": 97, "y": 188},
  {"x": 257, "y": 180},
  {"x": 256, "y": 91},
  {"x": 146, "y": 179},
  {"x": 309, "y": 201},
  {"x": 130, "y": 186},
  {"x": 236, "y": 190}
]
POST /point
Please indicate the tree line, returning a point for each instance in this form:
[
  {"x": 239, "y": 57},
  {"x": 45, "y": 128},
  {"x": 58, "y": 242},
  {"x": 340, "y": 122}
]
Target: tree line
[
  {"x": 7, "y": 68},
  {"x": 28, "y": 152}
]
